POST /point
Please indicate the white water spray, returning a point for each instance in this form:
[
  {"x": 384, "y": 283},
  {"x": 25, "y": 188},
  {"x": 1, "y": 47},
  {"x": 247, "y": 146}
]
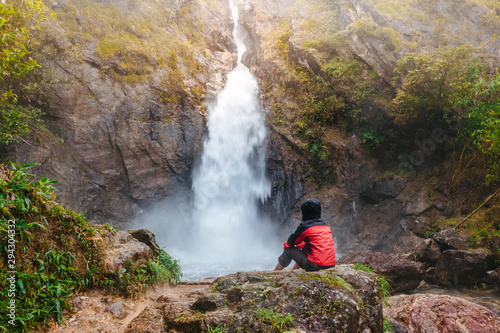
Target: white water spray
[
  {"x": 231, "y": 178},
  {"x": 226, "y": 232}
]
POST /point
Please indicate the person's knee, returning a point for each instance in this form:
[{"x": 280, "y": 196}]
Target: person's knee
[{"x": 284, "y": 259}]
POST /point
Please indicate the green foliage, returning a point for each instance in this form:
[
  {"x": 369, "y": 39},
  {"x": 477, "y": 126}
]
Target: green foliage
[
  {"x": 480, "y": 122},
  {"x": 332, "y": 100},
  {"x": 385, "y": 288},
  {"x": 277, "y": 321},
  {"x": 47, "y": 274},
  {"x": 371, "y": 138},
  {"x": 361, "y": 267},
  {"x": 320, "y": 25},
  {"x": 18, "y": 20},
  {"x": 449, "y": 89},
  {"x": 432, "y": 82},
  {"x": 217, "y": 329},
  {"x": 387, "y": 325},
  {"x": 54, "y": 252},
  {"x": 384, "y": 284}
]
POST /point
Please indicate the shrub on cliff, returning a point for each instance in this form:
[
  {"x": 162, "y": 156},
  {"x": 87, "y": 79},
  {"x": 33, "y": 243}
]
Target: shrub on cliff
[
  {"x": 450, "y": 88},
  {"x": 18, "y": 19},
  {"x": 50, "y": 252}
]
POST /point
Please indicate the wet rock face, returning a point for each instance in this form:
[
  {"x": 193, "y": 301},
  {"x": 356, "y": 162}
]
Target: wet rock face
[
  {"x": 438, "y": 313},
  {"x": 335, "y": 300},
  {"x": 404, "y": 275}
]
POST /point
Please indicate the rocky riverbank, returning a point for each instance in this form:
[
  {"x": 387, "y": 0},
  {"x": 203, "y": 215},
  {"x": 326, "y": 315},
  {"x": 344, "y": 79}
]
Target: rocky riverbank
[{"x": 345, "y": 298}]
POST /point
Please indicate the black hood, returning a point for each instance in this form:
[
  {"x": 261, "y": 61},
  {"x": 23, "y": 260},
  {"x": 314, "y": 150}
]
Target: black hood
[{"x": 311, "y": 209}]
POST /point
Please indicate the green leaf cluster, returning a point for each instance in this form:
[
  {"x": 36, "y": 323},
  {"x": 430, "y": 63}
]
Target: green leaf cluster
[
  {"x": 450, "y": 88},
  {"x": 17, "y": 21},
  {"x": 56, "y": 254},
  {"x": 277, "y": 321}
]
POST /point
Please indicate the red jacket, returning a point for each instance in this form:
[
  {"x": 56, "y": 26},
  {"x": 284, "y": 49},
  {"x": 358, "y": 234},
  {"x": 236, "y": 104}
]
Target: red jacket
[{"x": 315, "y": 237}]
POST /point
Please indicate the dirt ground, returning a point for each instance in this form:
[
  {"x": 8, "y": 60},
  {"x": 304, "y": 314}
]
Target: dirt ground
[{"x": 92, "y": 314}]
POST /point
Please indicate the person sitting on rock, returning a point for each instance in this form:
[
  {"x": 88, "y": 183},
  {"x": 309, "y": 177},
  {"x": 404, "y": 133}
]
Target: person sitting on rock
[{"x": 311, "y": 246}]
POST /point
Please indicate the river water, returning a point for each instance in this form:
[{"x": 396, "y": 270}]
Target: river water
[{"x": 217, "y": 229}]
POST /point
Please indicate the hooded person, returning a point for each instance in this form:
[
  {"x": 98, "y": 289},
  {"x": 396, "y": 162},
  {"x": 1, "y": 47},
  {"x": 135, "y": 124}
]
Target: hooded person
[{"x": 311, "y": 246}]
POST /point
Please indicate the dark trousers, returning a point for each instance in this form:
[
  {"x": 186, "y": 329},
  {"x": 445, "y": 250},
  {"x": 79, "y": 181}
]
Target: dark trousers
[{"x": 300, "y": 257}]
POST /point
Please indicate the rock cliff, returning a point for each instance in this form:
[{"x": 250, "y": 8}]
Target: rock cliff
[
  {"x": 129, "y": 82},
  {"x": 296, "y": 45}
]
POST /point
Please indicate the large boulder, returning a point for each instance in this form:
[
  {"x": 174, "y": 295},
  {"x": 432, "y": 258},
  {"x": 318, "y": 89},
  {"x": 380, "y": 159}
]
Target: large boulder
[
  {"x": 403, "y": 274},
  {"x": 451, "y": 239},
  {"x": 439, "y": 313},
  {"x": 339, "y": 299},
  {"x": 427, "y": 252},
  {"x": 122, "y": 250},
  {"x": 459, "y": 267}
]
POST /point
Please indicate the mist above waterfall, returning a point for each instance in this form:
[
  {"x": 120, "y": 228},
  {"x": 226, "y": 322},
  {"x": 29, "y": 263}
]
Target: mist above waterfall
[{"x": 217, "y": 228}]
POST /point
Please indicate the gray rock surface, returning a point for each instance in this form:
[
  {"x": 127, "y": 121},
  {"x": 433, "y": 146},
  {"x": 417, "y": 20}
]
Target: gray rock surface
[
  {"x": 333, "y": 300},
  {"x": 451, "y": 239},
  {"x": 461, "y": 267},
  {"x": 117, "y": 310}
]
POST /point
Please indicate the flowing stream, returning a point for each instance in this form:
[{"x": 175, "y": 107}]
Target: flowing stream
[{"x": 221, "y": 231}]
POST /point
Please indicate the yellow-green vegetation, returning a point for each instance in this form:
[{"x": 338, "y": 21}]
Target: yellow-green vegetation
[
  {"x": 483, "y": 228},
  {"x": 18, "y": 20},
  {"x": 319, "y": 24},
  {"x": 276, "y": 43},
  {"x": 136, "y": 42},
  {"x": 402, "y": 10},
  {"x": 450, "y": 89},
  {"x": 385, "y": 288},
  {"x": 331, "y": 105},
  {"x": 217, "y": 329},
  {"x": 426, "y": 11},
  {"x": 333, "y": 280},
  {"x": 277, "y": 321},
  {"x": 49, "y": 253},
  {"x": 490, "y": 4},
  {"x": 392, "y": 40}
]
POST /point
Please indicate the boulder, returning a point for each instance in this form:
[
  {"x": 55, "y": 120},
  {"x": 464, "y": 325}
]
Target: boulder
[
  {"x": 147, "y": 237},
  {"x": 389, "y": 187},
  {"x": 339, "y": 299},
  {"x": 459, "y": 267},
  {"x": 493, "y": 278},
  {"x": 418, "y": 204},
  {"x": 122, "y": 250},
  {"x": 403, "y": 274},
  {"x": 427, "y": 252},
  {"x": 405, "y": 243},
  {"x": 438, "y": 313},
  {"x": 117, "y": 310},
  {"x": 451, "y": 239},
  {"x": 149, "y": 320}
]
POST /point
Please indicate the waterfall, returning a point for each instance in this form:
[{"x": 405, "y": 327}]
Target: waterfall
[
  {"x": 220, "y": 231},
  {"x": 231, "y": 177}
]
